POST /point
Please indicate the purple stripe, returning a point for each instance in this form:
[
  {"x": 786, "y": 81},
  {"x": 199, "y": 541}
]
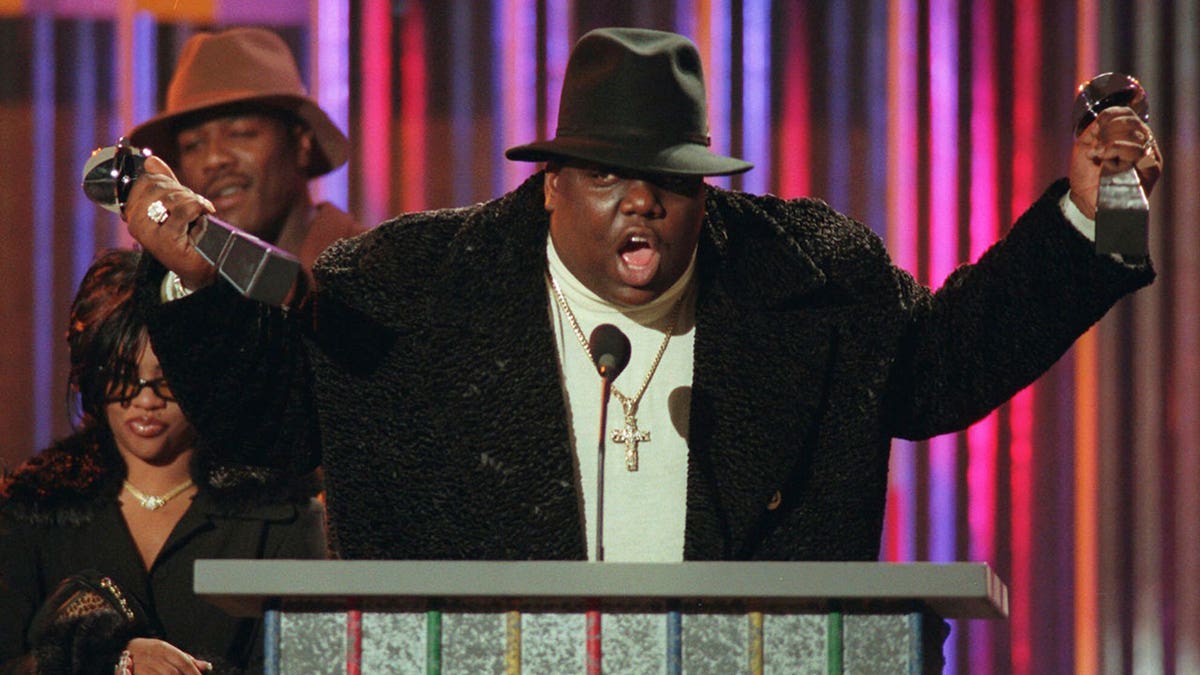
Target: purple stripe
[
  {"x": 756, "y": 94},
  {"x": 42, "y": 191}
]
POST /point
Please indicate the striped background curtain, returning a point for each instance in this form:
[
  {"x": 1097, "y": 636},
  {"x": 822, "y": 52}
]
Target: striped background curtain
[{"x": 933, "y": 121}]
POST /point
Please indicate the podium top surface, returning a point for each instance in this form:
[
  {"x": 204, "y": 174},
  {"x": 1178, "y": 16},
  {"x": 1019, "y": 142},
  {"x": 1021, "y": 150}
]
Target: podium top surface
[{"x": 952, "y": 590}]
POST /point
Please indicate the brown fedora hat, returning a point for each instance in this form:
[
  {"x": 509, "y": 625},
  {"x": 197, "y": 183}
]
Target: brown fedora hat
[
  {"x": 634, "y": 98},
  {"x": 231, "y": 70}
]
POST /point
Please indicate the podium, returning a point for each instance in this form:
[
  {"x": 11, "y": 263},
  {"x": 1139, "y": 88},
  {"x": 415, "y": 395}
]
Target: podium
[{"x": 580, "y": 617}]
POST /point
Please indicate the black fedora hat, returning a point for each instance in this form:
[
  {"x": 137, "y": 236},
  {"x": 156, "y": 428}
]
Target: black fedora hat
[{"x": 634, "y": 98}]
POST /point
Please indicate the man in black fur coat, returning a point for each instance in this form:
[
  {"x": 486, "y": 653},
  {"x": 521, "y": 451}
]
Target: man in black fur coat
[{"x": 441, "y": 373}]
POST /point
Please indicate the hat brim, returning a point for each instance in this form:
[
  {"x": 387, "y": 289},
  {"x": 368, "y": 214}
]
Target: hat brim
[
  {"x": 331, "y": 145},
  {"x": 684, "y": 159}
]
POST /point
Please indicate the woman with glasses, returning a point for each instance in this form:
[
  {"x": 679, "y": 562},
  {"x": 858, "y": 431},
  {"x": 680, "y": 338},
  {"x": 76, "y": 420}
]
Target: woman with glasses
[{"x": 123, "y": 507}]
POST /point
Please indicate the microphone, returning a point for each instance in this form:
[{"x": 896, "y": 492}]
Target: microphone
[{"x": 610, "y": 352}]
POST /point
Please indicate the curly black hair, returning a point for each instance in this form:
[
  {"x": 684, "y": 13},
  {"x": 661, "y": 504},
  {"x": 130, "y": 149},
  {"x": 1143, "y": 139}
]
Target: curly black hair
[{"x": 106, "y": 332}]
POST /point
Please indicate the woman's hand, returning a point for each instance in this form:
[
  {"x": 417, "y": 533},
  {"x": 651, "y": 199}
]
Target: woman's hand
[{"x": 155, "y": 657}]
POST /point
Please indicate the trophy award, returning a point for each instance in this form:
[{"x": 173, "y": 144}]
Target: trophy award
[
  {"x": 1122, "y": 212},
  {"x": 258, "y": 270}
]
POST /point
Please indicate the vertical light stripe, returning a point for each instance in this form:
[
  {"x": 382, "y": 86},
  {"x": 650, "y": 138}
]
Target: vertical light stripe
[
  {"x": 1027, "y": 65},
  {"x": 41, "y": 187},
  {"x": 982, "y": 437},
  {"x": 354, "y": 643},
  {"x": 834, "y": 644},
  {"x": 195, "y": 11},
  {"x": 373, "y": 133},
  {"x": 686, "y": 13},
  {"x": 902, "y": 243},
  {"x": 462, "y": 87},
  {"x": 235, "y": 12},
  {"x": 592, "y": 641},
  {"x": 514, "y": 37},
  {"x": 1087, "y": 440},
  {"x": 794, "y": 125},
  {"x": 1116, "y": 483},
  {"x": 433, "y": 642},
  {"x": 754, "y": 642},
  {"x": 83, "y": 141},
  {"x": 756, "y": 94},
  {"x": 943, "y": 258},
  {"x": 1148, "y": 416},
  {"x": 512, "y": 643},
  {"x": 559, "y": 19},
  {"x": 674, "y": 642},
  {"x": 136, "y": 44},
  {"x": 414, "y": 122},
  {"x": 839, "y": 133},
  {"x": 714, "y": 18},
  {"x": 329, "y": 82},
  {"x": 145, "y": 75},
  {"x": 271, "y": 629},
  {"x": 875, "y": 101},
  {"x": 1184, "y": 184},
  {"x": 943, "y": 249}
]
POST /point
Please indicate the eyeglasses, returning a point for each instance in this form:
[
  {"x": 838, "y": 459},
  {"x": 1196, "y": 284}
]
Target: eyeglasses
[{"x": 124, "y": 392}]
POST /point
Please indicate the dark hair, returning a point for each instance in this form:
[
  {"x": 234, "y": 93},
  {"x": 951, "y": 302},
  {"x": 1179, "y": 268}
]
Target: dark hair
[{"x": 106, "y": 333}]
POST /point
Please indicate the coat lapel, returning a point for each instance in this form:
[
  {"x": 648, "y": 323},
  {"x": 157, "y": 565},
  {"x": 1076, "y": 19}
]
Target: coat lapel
[
  {"x": 760, "y": 379},
  {"x": 523, "y": 454}
]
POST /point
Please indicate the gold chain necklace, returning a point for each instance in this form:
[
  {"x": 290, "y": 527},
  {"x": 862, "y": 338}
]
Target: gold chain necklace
[
  {"x": 629, "y": 435},
  {"x": 156, "y": 502}
]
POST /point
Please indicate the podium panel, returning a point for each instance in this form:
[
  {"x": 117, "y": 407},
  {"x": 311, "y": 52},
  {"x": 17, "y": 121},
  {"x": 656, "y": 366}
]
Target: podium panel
[{"x": 568, "y": 617}]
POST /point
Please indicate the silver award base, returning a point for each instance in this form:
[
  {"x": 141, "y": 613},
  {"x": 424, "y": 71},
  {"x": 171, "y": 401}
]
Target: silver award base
[
  {"x": 1122, "y": 215},
  {"x": 255, "y": 268}
]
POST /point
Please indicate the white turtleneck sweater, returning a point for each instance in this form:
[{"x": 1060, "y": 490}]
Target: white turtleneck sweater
[{"x": 643, "y": 510}]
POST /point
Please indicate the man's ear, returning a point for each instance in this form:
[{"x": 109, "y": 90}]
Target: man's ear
[
  {"x": 304, "y": 147},
  {"x": 550, "y": 187}
]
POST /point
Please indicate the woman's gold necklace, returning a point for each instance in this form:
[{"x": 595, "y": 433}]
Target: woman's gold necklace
[{"x": 156, "y": 502}]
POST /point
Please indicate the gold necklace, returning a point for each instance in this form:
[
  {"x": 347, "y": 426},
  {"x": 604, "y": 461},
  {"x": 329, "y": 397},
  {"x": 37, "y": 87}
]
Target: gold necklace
[
  {"x": 156, "y": 502},
  {"x": 629, "y": 435}
]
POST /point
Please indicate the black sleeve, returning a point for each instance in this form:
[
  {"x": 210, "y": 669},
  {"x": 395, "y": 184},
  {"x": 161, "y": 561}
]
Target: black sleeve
[
  {"x": 241, "y": 373},
  {"x": 996, "y": 325}
]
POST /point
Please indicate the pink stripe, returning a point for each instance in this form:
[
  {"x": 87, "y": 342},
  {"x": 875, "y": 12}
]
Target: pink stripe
[
  {"x": 375, "y": 129},
  {"x": 901, "y": 516},
  {"x": 796, "y": 126},
  {"x": 983, "y": 437},
  {"x": 593, "y": 643},
  {"x": 1026, "y": 81},
  {"x": 414, "y": 122},
  {"x": 353, "y": 639}
]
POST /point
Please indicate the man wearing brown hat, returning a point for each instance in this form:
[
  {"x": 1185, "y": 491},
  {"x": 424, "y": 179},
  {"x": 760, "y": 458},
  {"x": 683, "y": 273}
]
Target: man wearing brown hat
[
  {"x": 240, "y": 129},
  {"x": 445, "y": 378}
]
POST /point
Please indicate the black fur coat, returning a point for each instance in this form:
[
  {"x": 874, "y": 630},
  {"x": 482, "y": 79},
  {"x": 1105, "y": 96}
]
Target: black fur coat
[{"x": 424, "y": 375}]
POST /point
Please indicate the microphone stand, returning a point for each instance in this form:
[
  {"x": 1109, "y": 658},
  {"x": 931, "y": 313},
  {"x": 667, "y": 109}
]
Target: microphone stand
[{"x": 605, "y": 392}]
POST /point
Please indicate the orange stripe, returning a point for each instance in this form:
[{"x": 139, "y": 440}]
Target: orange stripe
[
  {"x": 184, "y": 10},
  {"x": 1087, "y": 403},
  {"x": 1087, "y": 587}
]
